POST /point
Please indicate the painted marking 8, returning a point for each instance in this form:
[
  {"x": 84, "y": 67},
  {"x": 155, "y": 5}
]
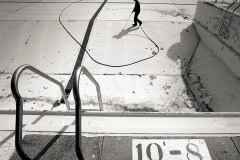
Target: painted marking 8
[{"x": 169, "y": 149}]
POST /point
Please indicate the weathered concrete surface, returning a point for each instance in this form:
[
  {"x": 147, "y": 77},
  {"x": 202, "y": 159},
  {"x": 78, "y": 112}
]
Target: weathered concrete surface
[
  {"x": 37, "y": 92},
  {"x": 49, "y": 48},
  {"x": 8, "y": 8},
  {"x": 136, "y": 93},
  {"x": 219, "y": 81},
  {"x": 211, "y": 18},
  {"x": 13, "y": 36},
  {"x": 178, "y": 42},
  {"x": 227, "y": 55},
  {"x": 149, "y": 12},
  {"x": 52, "y": 51}
]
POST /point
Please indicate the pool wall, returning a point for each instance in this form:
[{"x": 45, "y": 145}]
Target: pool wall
[{"x": 207, "y": 21}]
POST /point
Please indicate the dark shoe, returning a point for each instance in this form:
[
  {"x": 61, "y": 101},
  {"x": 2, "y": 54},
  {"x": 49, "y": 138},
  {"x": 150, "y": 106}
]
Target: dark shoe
[
  {"x": 134, "y": 25},
  {"x": 140, "y": 23}
]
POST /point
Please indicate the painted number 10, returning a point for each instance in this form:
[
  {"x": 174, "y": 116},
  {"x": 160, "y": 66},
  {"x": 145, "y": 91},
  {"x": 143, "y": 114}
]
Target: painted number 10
[{"x": 148, "y": 151}]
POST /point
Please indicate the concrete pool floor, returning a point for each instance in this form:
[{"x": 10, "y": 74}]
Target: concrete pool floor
[
  {"x": 42, "y": 42},
  {"x": 32, "y": 34}
]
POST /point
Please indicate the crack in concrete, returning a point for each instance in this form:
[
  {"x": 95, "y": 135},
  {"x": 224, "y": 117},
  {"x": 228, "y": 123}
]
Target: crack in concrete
[
  {"x": 31, "y": 33},
  {"x": 12, "y": 60},
  {"x": 15, "y": 11}
]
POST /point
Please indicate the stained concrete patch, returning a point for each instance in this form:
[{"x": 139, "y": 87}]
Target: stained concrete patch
[
  {"x": 178, "y": 40},
  {"x": 37, "y": 92},
  {"x": 187, "y": 11},
  {"x": 149, "y": 12},
  {"x": 217, "y": 79},
  {"x": 13, "y": 36},
  {"x": 51, "y": 51},
  {"x": 135, "y": 93}
]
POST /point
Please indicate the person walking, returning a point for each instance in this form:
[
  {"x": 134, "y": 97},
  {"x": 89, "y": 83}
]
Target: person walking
[{"x": 136, "y": 9}]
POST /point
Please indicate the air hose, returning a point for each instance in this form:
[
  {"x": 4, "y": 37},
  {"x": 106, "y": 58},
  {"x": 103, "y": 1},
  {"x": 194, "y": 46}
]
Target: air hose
[{"x": 154, "y": 53}]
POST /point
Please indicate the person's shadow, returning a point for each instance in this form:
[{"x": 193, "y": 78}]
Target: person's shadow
[{"x": 125, "y": 32}]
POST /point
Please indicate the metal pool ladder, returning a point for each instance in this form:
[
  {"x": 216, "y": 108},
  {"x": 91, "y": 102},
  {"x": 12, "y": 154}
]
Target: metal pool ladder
[
  {"x": 19, "y": 104},
  {"x": 227, "y": 20},
  {"x": 78, "y": 106}
]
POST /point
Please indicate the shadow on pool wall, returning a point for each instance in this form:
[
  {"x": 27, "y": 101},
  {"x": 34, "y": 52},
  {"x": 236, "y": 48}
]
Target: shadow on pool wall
[{"x": 182, "y": 53}]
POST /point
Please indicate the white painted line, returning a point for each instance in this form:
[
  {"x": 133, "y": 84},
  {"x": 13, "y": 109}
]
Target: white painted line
[
  {"x": 168, "y": 149},
  {"x": 128, "y": 125}
]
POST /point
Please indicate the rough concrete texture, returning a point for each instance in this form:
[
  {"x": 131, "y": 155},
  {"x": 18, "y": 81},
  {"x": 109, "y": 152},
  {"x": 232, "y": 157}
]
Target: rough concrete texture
[
  {"x": 59, "y": 147},
  {"x": 7, "y": 145},
  {"x": 37, "y": 92},
  {"x": 136, "y": 93},
  {"x": 211, "y": 18},
  {"x": 215, "y": 79}
]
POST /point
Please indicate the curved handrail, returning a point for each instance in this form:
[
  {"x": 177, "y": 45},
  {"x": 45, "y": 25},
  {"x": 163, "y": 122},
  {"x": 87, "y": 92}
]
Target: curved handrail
[
  {"x": 19, "y": 103},
  {"x": 78, "y": 106},
  {"x": 76, "y": 84}
]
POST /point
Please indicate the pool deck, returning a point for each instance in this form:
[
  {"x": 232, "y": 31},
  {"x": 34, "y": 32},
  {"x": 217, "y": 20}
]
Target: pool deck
[{"x": 110, "y": 136}]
